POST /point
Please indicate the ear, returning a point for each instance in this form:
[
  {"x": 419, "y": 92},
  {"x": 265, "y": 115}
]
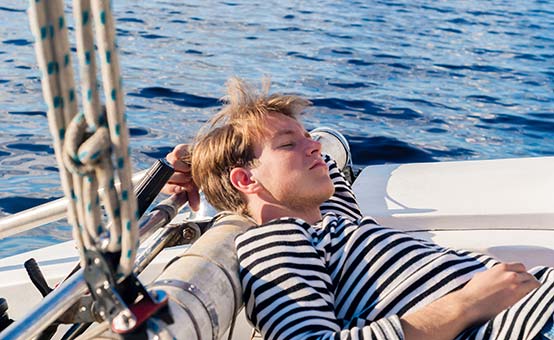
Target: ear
[{"x": 243, "y": 180}]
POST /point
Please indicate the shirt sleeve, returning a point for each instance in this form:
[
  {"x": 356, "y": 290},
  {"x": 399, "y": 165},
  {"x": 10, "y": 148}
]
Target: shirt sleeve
[
  {"x": 343, "y": 202},
  {"x": 288, "y": 292},
  {"x": 388, "y": 328}
]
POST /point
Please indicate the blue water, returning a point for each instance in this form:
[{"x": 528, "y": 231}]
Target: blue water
[{"x": 405, "y": 81}]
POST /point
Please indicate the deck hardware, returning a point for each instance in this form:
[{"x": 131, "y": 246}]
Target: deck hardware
[{"x": 191, "y": 232}]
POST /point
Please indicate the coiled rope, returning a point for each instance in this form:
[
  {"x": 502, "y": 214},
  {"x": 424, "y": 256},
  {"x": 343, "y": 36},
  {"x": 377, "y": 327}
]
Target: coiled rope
[{"x": 88, "y": 145}]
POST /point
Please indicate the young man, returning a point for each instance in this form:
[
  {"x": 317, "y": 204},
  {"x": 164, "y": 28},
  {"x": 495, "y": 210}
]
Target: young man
[{"x": 315, "y": 268}]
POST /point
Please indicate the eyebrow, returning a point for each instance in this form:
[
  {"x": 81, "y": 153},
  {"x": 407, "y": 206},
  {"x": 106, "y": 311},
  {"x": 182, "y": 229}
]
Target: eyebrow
[{"x": 283, "y": 133}]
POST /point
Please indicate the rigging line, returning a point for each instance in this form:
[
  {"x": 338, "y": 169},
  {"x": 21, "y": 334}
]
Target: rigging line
[
  {"x": 43, "y": 31},
  {"x": 84, "y": 142}
]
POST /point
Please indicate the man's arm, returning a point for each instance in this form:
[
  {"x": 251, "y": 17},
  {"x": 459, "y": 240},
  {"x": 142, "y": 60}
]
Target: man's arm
[
  {"x": 483, "y": 297},
  {"x": 288, "y": 293}
]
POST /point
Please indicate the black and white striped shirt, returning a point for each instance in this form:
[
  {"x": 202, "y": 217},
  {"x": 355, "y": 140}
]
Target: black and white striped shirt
[{"x": 349, "y": 278}]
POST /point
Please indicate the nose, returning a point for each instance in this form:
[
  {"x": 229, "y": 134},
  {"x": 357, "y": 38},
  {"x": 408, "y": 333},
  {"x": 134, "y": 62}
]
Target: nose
[{"x": 314, "y": 146}]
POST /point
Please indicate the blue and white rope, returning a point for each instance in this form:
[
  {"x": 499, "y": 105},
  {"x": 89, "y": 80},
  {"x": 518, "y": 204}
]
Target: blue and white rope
[{"x": 84, "y": 142}]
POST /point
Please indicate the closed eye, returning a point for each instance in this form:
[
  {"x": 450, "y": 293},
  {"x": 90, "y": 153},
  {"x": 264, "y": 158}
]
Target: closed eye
[{"x": 286, "y": 145}]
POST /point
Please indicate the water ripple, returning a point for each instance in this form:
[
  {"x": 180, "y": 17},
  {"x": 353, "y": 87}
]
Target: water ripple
[
  {"x": 159, "y": 152},
  {"x": 137, "y": 132},
  {"x": 178, "y": 98},
  {"x": 17, "y": 42},
  {"x": 355, "y": 85},
  {"x": 7, "y": 9},
  {"x": 16, "y": 204},
  {"x": 34, "y": 147},
  {"x": 28, "y": 113},
  {"x": 380, "y": 150},
  {"x": 478, "y": 68},
  {"x": 507, "y": 121}
]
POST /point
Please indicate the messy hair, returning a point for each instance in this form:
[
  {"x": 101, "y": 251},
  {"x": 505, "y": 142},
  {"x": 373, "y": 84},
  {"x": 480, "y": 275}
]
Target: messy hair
[{"x": 227, "y": 140}]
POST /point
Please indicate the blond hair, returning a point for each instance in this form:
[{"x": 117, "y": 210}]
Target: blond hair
[{"x": 227, "y": 140}]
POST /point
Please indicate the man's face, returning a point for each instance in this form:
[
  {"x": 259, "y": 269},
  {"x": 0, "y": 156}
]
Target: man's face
[{"x": 289, "y": 165}]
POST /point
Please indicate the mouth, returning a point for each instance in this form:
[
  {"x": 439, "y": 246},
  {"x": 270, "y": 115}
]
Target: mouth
[{"x": 318, "y": 163}]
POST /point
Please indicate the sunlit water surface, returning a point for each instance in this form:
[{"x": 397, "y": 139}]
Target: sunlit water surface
[{"x": 405, "y": 81}]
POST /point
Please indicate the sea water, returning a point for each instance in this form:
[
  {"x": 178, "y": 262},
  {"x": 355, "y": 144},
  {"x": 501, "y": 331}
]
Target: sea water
[{"x": 404, "y": 81}]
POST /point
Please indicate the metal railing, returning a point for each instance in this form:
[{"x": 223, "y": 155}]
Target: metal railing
[
  {"x": 69, "y": 292},
  {"x": 42, "y": 214}
]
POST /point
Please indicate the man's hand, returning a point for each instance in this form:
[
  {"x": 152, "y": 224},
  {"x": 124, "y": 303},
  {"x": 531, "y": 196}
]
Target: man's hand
[
  {"x": 496, "y": 289},
  {"x": 181, "y": 181},
  {"x": 487, "y": 294}
]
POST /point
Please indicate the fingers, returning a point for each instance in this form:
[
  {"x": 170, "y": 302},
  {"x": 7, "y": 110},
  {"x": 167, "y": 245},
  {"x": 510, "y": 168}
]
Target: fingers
[
  {"x": 532, "y": 283},
  {"x": 515, "y": 267},
  {"x": 178, "y": 156},
  {"x": 528, "y": 280},
  {"x": 517, "y": 274},
  {"x": 192, "y": 193},
  {"x": 181, "y": 181},
  {"x": 181, "y": 178},
  {"x": 181, "y": 150},
  {"x": 527, "y": 284},
  {"x": 522, "y": 283},
  {"x": 170, "y": 189}
]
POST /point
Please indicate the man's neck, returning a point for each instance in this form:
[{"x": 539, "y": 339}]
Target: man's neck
[{"x": 267, "y": 212}]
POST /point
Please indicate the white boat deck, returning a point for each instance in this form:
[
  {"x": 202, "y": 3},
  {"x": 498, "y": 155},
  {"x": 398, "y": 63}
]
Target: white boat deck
[{"x": 501, "y": 207}]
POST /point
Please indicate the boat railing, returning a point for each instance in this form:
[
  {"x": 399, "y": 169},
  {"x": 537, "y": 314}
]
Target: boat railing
[
  {"x": 40, "y": 215},
  {"x": 72, "y": 289}
]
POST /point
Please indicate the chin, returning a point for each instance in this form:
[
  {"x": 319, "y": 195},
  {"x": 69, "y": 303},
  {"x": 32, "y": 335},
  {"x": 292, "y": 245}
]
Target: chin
[
  {"x": 326, "y": 192},
  {"x": 330, "y": 192},
  {"x": 329, "y": 186}
]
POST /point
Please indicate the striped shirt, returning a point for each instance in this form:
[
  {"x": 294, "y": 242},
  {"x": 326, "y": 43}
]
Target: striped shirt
[{"x": 349, "y": 278}]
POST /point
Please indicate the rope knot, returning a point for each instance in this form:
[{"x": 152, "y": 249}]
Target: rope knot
[{"x": 83, "y": 149}]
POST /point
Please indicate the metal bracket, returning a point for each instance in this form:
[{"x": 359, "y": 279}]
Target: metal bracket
[
  {"x": 124, "y": 312},
  {"x": 101, "y": 284},
  {"x": 200, "y": 296},
  {"x": 151, "y": 304}
]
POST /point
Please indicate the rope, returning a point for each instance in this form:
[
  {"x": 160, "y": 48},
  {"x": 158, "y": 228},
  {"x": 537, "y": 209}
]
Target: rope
[{"x": 84, "y": 142}]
